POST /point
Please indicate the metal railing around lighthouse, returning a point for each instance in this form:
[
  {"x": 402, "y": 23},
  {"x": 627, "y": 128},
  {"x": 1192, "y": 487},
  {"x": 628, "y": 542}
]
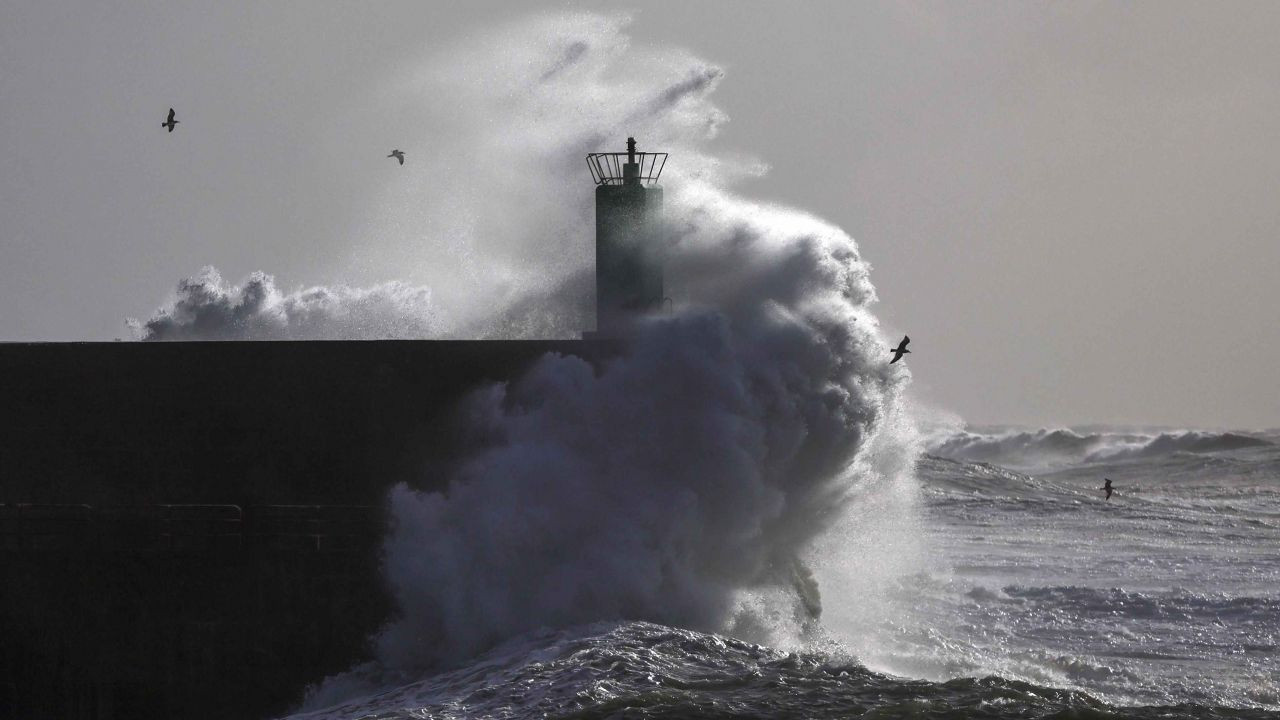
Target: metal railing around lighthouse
[{"x": 618, "y": 168}]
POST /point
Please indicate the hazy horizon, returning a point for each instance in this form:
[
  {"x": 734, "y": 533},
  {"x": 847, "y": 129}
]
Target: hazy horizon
[{"x": 1067, "y": 207}]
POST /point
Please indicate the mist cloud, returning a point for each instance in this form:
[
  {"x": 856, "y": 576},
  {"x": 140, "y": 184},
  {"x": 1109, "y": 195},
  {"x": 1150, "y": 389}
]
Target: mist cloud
[{"x": 208, "y": 308}]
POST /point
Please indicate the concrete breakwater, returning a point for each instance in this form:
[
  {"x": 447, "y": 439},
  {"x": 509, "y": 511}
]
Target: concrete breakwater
[{"x": 194, "y": 529}]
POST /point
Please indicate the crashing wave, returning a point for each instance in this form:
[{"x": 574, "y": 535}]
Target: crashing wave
[{"x": 689, "y": 480}]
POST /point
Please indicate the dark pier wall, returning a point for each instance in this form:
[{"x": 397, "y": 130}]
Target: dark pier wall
[
  {"x": 193, "y": 529},
  {"x": 234, "y": 632},
  {"x": 236, "y": 422}
]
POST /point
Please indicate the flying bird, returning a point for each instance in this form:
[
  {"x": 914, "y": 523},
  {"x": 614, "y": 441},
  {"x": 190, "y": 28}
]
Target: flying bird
[
  {"x": 170, "y": 122},
  {"x": 397, "y": 155},
  {"x": 901, "y": 350}
]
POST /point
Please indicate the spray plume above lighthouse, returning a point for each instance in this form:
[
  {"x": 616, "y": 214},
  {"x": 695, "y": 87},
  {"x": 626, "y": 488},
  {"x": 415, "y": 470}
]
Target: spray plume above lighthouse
[{"x": 629, "y": 236}]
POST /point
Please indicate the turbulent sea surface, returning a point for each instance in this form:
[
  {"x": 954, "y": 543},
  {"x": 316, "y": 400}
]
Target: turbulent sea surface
[{"x": 1040, "y": 600}]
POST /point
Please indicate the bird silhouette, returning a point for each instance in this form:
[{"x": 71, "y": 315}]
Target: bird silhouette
[
  {"x": 397, "y": 155},
  {"x": 901, "y": 350},
  {"x": 170, "y": 122}
]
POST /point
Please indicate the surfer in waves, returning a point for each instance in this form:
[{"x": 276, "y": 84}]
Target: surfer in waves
[{"x": 1106, "y": 486}]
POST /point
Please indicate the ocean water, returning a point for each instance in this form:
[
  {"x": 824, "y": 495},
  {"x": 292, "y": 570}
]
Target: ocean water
[
  {"x": 1169, "y": 593},
  {"x": 1039, "y": 599}
]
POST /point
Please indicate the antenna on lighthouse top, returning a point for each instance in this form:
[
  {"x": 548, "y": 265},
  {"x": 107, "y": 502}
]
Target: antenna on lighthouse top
[{"x": 631, "y": 151}]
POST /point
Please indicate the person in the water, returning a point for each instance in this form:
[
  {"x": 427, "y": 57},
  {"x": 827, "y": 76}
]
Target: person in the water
[{"x": 1107, "y": 487}]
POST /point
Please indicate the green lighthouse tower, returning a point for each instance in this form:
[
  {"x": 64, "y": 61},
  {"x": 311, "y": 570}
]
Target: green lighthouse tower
[{"x": 629, "y": 238}]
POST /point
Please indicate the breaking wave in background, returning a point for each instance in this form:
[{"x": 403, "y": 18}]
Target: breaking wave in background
[{"x": 1048, "y": 449}]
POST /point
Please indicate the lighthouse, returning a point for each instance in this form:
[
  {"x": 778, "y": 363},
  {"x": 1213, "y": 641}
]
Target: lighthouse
[{"x": 629, "y": 237}]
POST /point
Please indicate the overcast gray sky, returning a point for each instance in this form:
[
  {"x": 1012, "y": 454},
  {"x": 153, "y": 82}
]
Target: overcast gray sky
[{"x": 1070, "y": 207}]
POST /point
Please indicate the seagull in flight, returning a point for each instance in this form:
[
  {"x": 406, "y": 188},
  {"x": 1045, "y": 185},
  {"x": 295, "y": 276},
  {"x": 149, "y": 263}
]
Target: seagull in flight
[
  {"x": 397, "y": 154},
  {"x": 170, "y": 122},
  {"x": 901, "y": 350}
]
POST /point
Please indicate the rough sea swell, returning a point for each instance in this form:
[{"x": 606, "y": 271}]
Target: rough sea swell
[
  {"x": 744, "y": 470},
  {"x": 642, "y": 670}
]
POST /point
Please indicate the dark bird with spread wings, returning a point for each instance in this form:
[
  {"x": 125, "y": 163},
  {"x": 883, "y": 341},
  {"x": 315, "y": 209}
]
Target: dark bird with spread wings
[
  {"x": 901, "y": 350},
  {"x": 397, "y": 155},
  {"x": 170, "y": 122}
]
